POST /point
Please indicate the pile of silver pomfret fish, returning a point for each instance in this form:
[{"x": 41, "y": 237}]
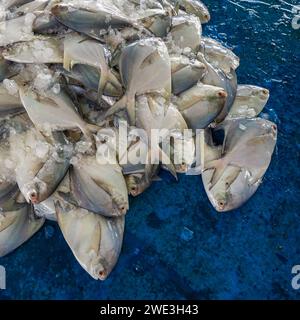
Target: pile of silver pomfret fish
[{"x": 71, "y": 68}]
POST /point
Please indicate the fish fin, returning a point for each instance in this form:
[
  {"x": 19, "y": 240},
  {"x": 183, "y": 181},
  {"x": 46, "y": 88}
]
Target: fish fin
[
  {"x": 177, "y": 6},
  {"x": 169, "y": 166},
  {"x": 148, "y": 172},
  {"x": 67, "y": 197},
  {"x": 101, "y": 86},
  {"x": 67, "y": 63},
  {"x": 88, "y": 130},
  {"x": 233, "y": 178},
  {"x": 219, "y": 167},
  {"x": 118, "y": 106},
  {"x": 256, "y": 178},
  {"x": 113, "y": 81}
]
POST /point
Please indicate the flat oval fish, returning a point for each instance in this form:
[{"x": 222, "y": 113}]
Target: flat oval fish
[
  {"x": 39, "y": 50},
  {"x": 95, "y": 240},
  {"x": 194, "y": 7},
  {"x": 99, "y": 187},
  {"x": 90, "y": 18},
  {"x": 55, "y": 111},
  {"x": 246, "y": 155},
  {"x": 201, "y": 104},
  {"x": 185, "y": 32},
  {"x": 16, "y": 227},
  {"x": 218, "y": 55},
  {"x": 17, "y": 29},
  {"x": 144, "y": 67},
  {"x": 249, "y": 102}
]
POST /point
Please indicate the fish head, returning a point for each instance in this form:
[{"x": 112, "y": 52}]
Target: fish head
[
  {"x": 98, "y": 269},
  {"x": 220, "y": 195},
  {"x": 201, "y": 67},
  {"x": 263, "y": 94},
  {"x": 136, "y": 184},
  {"x": 158, "y": 23},
  {"x": 222, "y": 201},
  {"x": 186, "y": 31},
  {"x": 272, "y": 130},
  {"x": 120, "y": 209},
  {"x": 60, "y": 10},
  {"x": 201, "y": 105},
  {"x": 34, "y": 191},
  {"x": 232, "y": 190},
  {"x": 196, "y": 8}
]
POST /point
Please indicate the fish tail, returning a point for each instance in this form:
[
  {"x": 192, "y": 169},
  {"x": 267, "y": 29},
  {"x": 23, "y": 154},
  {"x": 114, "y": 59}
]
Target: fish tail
[
  {"x": 101, "y": 86},
  {"x": 131, "y": 109},
  {"x": 93, "y": 128},
  {"x": 89, "y": 129},
  {"x": 67, "y": 64},
  {"x": 118, "y": 106}
]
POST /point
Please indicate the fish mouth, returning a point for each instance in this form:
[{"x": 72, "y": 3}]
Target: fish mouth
[
  {"x": 33, "y": 197},
  {"x": 274, "y": 130},
  {"x": 102, "y": 275},
  {"x": 207, "y": 17},
  {"x": 222, "y": 94},
  {"x": 134, "y": 191},
  {"x": 182, "y": 168},
  {"x": 123, "y": 209},
  {"x": 265, "y": 94},
  {"x": 99, "y": 271},
  {"x": 132, "y": 186},
  {"x": 220, "y": 205}
]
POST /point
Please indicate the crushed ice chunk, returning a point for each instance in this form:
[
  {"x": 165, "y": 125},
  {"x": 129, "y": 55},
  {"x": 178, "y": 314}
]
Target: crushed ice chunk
[
  {"x": 11, "y": 87},
  {"x": 56, "y": 88},
  {"x": 43, "y": 81},
  {"x": 2, "y": 13},
  {"x": 49, "y": 232},
  {"x": 41, "y": 149},
  {"x": 83, "y": 146},
  {"x": 186, "y": 234},
  {"x": 136, "y": 251}
]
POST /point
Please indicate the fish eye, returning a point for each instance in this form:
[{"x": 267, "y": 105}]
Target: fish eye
[{"x": 102, "y": 274}]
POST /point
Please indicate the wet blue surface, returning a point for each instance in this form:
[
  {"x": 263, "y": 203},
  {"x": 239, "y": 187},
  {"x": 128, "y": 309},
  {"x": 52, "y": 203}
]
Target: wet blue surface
[{"x": 176, "y": 246}]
